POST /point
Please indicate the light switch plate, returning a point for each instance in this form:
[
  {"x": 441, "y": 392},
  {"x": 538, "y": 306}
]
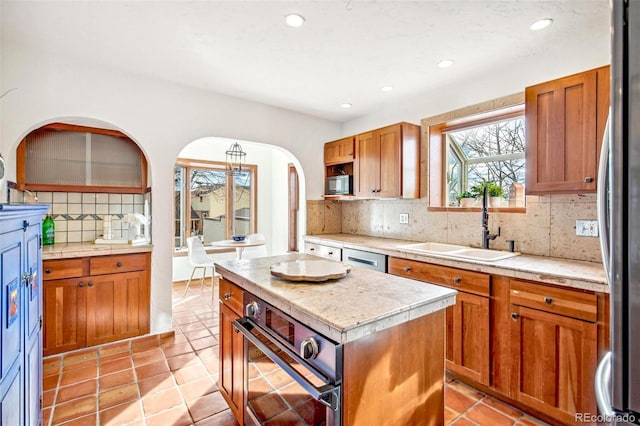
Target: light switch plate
[
  {"x": 587, "y": 228},
  {"x": 404, "y": 217}
]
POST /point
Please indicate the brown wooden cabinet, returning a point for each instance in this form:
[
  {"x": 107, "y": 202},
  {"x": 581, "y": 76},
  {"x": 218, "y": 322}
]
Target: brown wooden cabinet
[
  {"x": 388, "y": 162},
  {"x": 554, "y": 349},
  {"x": 468, "y": 343},
  {"x": 340, "y": 151},
  {"x": 231, "y": 378},
  {"x": 94, "y": 300},
  {"x": 565, "y": 120}
]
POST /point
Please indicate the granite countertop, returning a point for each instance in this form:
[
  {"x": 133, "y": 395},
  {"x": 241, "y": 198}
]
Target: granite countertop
[
  {"x": 563, "y": 272},
  {"x": 84, "y": 249},
  {"x": 344, "y": 310}
]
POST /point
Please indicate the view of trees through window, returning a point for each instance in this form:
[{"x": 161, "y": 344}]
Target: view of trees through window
[
  {"x": 489, "y": 152},
  {"x": 210, "y": 199}
]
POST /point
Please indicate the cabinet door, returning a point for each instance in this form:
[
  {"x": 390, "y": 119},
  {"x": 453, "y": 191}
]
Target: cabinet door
[
  {"x": 340, "y": 151},
  {"x": 561, "y": 121},
  {"x": 10, "y": 400},
  {"x": 33, "y": 282},
  {"x": 33, "y": 380},
  {"x": 117, "y": 307},
  {"x": 64, "y": 310},
  {"x": 368, "y": 154},
  {"x": 231, "y": 379},
  {"x": 554, "y": 362},
  {"x": 390, "y": 181},
  {"x": 12, "y": 292},
  {"x": 468, "y": 338}
]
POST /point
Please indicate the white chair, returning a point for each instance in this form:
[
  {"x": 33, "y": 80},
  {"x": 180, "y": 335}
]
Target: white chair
[
  {"x": 257, "y": 251},
  {"x": 200, "y": 260}
]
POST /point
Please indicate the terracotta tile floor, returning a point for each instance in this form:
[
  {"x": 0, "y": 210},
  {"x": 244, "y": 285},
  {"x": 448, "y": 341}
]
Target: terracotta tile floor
[{"x": 171, "y": 380}]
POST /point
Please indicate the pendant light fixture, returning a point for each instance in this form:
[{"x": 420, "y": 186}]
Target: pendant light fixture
[{"x": 235, "y": 159}]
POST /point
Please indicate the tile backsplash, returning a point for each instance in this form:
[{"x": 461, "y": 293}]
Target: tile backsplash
[
  {"x": 546, "y": 229},
  {"x": 79, "y": 216}
]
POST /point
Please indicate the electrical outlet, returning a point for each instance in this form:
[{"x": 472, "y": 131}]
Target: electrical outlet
[
  {"x": 587, "y": 228},
  {"x": 404, "y": 217}
]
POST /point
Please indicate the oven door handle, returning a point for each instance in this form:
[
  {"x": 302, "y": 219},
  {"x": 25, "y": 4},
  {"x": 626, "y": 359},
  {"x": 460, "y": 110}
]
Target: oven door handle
[{"x": 328, "y": 394}]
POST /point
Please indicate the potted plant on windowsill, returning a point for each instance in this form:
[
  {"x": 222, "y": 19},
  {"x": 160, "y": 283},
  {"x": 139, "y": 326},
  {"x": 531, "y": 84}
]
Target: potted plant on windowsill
[
  {"x": 494, "y": 192},
  {"x": 466, "y": 199}
]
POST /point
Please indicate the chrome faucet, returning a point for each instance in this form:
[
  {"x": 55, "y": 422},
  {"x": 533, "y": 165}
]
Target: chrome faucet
[{"x": 486, "y": 236}]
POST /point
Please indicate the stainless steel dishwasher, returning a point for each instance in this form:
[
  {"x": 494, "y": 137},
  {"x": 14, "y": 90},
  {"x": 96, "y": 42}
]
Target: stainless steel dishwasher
[{"x": 365, "y": 259}]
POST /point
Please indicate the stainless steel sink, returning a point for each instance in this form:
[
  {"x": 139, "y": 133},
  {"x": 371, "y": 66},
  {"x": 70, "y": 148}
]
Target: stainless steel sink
[{"x": 460, "y": 252}]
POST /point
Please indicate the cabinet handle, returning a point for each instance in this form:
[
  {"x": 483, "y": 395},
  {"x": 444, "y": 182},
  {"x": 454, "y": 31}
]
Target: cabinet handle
[
  {"x": 119, "y": 264},
  {"x": 548, "y": 300},
  {"x": 90, "y": 283},
  {"x": 457, "y": 280},
  {"x": 312, "y": 249},
  {"x": 373, "y": 190},
  {"x": 514, "y": 316},
  {"x": 407, "y": 269},
  {"x": 588, "y": 179},
  {"x": 330, "y": 253},
  {"x": 81, "y": 285},
  {"x": 227, "y": 296},
  {"x": 47, "y": 271}
]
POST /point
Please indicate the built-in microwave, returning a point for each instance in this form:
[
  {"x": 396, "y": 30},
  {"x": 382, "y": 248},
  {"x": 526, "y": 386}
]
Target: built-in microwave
[{"x": 339, "y": 185}]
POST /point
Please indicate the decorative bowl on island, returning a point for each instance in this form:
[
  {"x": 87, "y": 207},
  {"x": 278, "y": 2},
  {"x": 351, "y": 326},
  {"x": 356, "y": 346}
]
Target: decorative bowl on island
[{"x": 238, "y": 237}]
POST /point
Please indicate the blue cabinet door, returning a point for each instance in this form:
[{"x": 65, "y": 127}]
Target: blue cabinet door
[
  {"x": 11, "y": 399},
  {"x": 33, "y": 382},
  {"x": 11, "y": 330}
]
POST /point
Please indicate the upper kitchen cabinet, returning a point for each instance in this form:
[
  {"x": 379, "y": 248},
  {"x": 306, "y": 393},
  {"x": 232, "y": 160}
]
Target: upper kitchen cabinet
[
  {"x": 388, "y": 162},
  {"x": 340, "y": 151},
  {"x": 70, "y": 158},
  {"x": 565, "y": 121}
]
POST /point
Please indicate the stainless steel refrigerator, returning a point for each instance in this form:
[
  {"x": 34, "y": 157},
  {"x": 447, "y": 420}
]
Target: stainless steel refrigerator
[{"x": 617, "y": 378}]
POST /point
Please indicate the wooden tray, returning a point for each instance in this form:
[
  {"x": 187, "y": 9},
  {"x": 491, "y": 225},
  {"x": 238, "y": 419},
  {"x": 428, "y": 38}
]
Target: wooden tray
[{"x": 310, "y": 270}]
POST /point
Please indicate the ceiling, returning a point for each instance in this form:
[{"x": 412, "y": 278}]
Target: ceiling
[{"x": 345, "y": 52}]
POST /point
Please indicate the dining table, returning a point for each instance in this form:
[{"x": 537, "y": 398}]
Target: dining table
[{"x": 238, "y": 245}]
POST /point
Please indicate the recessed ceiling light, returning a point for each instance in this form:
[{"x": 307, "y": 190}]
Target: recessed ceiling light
[
  {"x": 345, "y": 105},
  {"x": 294, "y": 20},
  {"x": 541, "y": 23},
  {"x": 445, "y": 63},
  {"x": 387, "y": 89}
]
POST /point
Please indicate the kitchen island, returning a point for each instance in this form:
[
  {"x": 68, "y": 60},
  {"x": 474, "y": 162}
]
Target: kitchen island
[{"x": 389, "y": 331}]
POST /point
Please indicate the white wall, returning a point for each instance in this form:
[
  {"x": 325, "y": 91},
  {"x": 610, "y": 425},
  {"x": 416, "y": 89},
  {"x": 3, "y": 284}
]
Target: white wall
[
  {"x": 162, "y": 118},
  {"x": 272, "y": 162}
]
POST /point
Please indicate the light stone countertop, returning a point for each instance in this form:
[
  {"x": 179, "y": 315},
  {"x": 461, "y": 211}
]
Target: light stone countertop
[
  {"x": 86, "y": 249},
  {"x": 344, "y": 310},
  {"x": 563, "y": 272}
]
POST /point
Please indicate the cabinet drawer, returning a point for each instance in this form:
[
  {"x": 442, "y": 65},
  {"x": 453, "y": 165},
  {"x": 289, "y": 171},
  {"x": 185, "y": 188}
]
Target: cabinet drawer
[
  {"x": 327, "y": 252},
  {"x": 100, "y": 265},
  {"x": 459, "y": 279},
  {"x": 62, "y": 268},
  {"x": 232, "y": 296},
  {"x": 571, "y": 303}
]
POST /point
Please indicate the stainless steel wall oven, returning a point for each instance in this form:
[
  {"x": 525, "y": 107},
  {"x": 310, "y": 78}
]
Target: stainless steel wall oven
[{"x": 293, "y": 374}]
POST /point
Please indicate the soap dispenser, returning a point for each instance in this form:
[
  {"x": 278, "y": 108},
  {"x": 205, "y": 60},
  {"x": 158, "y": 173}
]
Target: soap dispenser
[{"x": 48, "y": 230}]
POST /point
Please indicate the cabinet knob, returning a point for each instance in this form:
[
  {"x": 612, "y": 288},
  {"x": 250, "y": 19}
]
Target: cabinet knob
[
  {"x": 227, "y": 296},
  {"x": 90, "y": 283},
  {"x": 514, "y": 316},
  {"x": 312, "y": 249},
  {"x": 47, "y": 271},
  {"x": 548, "y": 300},
  {"x": 119, "y": 264},
  {"x": 457, "y": 280},
  {"x": 81, "y": 285},
  {"x": 588, "y": 179},
  {"x": 330, "y": 253},
  {"x": 407, "y": 269}
]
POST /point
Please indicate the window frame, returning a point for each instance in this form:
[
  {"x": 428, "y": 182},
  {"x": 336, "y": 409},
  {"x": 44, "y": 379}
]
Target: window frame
[
  {"x": 188, "y": 164},
  {"x": 438, "y": 145}
]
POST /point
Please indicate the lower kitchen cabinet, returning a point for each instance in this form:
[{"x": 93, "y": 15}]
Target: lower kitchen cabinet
[
  {"x": 554, "y": 355},
  {"x": 531, "y": 344},
  {"x": 231, "y": 378},
  {"x": 468, "y": 343},
  {"x": 95, "y": 300}
]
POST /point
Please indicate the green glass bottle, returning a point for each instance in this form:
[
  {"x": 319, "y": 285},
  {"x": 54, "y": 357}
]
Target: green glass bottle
[{"x": 48, "y": 231}]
